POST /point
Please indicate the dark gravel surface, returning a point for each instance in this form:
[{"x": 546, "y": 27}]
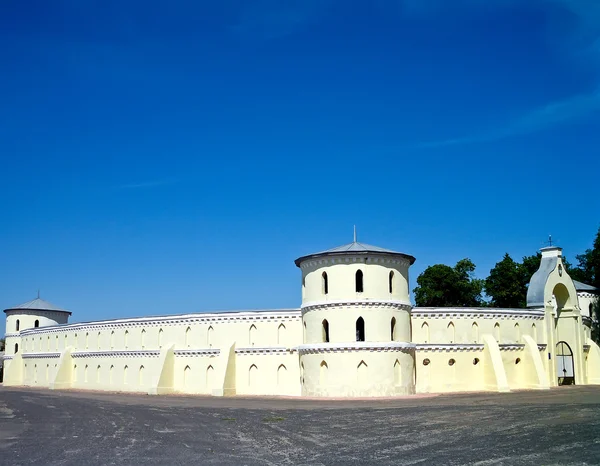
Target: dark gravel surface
[{"x": 556, "y": 427}]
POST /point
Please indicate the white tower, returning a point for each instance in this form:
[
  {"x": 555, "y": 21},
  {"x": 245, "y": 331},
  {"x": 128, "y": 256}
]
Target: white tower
[
  {"x": 356, "y": 322},
  {"x": 36, "y": 313}
]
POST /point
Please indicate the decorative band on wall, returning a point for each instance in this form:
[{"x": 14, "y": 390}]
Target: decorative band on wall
[
  {"x": 341, "y": 305},
  {"x": 40, "y": 355},
  {"x": 186, "y": 319},
  {"x": 9, "y": 335},
  {"x": 116, "y": 354},
  {"x": 375, "y": 258},
  {"x": 264, "y": 350},
  {"x": 7, "y": 357},
  {"x": 198, "y": 352},
  {"x": 449, "y": 347},
  {"x": 511, "y": 346},
  {"x": 314, "y": 348},
  {"x": 475, "y": 313},
  {"x": 586, "y": 294}
]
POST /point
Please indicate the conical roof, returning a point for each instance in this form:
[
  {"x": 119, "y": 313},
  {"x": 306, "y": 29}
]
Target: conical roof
[
  {"x": 352, "y": 249},
  {"x": 37, "y": 304}
]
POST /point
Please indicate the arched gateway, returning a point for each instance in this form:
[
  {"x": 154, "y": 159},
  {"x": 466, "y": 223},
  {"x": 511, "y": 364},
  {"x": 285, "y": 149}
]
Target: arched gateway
[{"x": 552, "y": 290}]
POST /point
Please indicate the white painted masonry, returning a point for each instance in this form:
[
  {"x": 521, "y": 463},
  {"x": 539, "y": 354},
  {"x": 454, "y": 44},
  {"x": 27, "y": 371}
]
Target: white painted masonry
[{"x": 356, "y": 334}]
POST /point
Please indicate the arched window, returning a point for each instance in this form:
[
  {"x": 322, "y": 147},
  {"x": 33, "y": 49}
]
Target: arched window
[
  {"x": 451, "y": 332},
  {"x": 188, "y": 332},
  {"x": 98, "y": 342},
  {"x": 497, "y": 332},
  {"x": 141, "y": 376},
  {"x": 534, "y": 332},
  {"x": 209, "y": 334},
  {"x": 325, "y": 331},
  {"x": 391, "y": 281},
  {"x": 475, "y": 332},
  {"x": 112, "y": 339},
  {"x": 16, "y": 348},
  {"x": 126, "y": 339},
  {"x": 425, "y": 332},
  {"x": 517, "y": 333},
  {"x": 324, "y": 283},
  {"x": 360, "y": 329},
  {"x": 187, "y": 371},
  {"x": 393, "y": 329},
  {"x": 359, "y": 281},
  {"x": 160, "y": 337},
  {"x": 18, "y": 325},
  {"x": 143, "y": 338},
  {"x": 36, "y": 323},
  {"x": 252, "y": 376},
  {"x": 87, "y": 335},
  {"x": 281, "y": 334},
  {"x": 125, "y": 375},
  {"x": 252, "y": 335},
  {"x": 98, "y": 374}
]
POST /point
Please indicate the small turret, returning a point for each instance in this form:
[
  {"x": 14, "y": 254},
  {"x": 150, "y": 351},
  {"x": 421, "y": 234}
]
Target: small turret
[{"x": 32, "y": 314}]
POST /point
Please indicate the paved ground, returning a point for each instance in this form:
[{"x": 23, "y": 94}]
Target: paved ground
[{"x": 556, "y": 427}]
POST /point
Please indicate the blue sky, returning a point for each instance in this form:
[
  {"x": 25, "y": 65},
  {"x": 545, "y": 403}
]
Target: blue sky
[{"x": 177, "y": 157}]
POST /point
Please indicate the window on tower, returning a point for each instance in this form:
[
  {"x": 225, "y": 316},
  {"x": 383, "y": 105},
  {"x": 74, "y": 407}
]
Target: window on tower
[
  {"x": 391, "y": 282},
  {"x": 18, "y": 325},
  {"x": 36, "y": 324},
  {"x": 360, "y": 329},
  {"x": 359, "y": 281},
  {"x": 325, "y": 283},
  {"x": 325, "y": 331}
]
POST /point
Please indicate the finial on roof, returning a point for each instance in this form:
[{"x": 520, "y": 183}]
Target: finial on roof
[
  {"x": 38, "y": 294},
  {"x": 355, "y": 233}
]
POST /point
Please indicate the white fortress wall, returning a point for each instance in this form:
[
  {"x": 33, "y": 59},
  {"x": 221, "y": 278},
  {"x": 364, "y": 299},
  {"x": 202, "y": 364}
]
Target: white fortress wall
[{"x": 125, "y": 354}]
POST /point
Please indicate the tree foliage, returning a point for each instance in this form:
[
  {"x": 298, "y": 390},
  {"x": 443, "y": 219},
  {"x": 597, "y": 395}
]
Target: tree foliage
[
  {"x": 507, "y": 283},
  {"x": 588, "y": 271},
  {"x": 441, "y": 285}
]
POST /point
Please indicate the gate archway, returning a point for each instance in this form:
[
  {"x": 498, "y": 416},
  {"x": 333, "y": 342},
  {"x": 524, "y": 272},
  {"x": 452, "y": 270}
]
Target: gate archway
[{"x": 565, "y": 368}]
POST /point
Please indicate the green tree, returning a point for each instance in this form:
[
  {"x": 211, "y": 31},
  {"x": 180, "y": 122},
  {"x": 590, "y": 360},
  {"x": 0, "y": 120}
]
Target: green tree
[
  {"x": 505, "y": 283},
  {"x": 2, "y": 344},
  {"x": 441, "y": 285}
]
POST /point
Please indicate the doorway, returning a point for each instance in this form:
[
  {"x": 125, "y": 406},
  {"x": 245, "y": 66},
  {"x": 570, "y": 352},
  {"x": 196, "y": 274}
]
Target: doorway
[{"x": 565, "y": 368}]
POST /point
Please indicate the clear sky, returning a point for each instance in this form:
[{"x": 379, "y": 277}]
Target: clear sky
[{"x": 171, "y": 157}]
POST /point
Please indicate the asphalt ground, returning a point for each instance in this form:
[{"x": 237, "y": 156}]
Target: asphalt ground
[{"x": 553, "y": 427}]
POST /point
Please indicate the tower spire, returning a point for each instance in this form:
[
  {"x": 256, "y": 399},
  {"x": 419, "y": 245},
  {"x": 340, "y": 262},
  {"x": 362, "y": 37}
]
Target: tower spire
[{"x": 355, "y": 233}]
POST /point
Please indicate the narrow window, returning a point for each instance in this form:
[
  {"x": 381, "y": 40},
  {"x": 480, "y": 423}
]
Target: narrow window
[
  {"x": 451, "y": 332},
  {"x": 325, "y": 329},
  {"x": 18, "y": 325},
  {"x": 359, "y": 281},
  {"x": 393, "y": 330},
  {"x": 16, "y": 348},
  {"x": 36, "y": 324},
  {"x": 325, "y": 283},
  {"x": 360, "y": 329},
  {"x": 209, "y": 334},
  {"x": 391, "y": 282},
  {"x": 497, "y": 332}
]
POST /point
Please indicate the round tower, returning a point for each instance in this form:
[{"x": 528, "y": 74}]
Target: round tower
[
  {"x": 32, "y": 314},
  {"x": 356, "y": 322}
]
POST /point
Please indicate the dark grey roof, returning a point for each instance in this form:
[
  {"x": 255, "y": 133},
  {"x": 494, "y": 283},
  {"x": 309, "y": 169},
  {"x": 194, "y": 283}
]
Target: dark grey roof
[
  {"x": 583, "y": 287},
  {"x": 537, "y": 284},
  {"x": 354, "y": 248},
  {"x": 37, "y": 305}
]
